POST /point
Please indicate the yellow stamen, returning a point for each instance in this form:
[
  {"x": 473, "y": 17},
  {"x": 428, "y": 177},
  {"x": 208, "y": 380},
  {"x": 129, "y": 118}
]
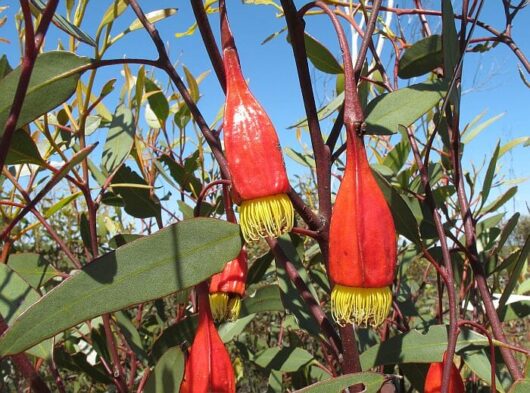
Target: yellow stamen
[
  {"x": 268, "y": 216},
  {"x": 225, "y": 306},
  {"x": 360, "y": 306}
]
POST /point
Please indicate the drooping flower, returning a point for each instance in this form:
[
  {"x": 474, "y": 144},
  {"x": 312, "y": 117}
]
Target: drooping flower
[
  {"x": 227, "y": 288},
  {"x": 259, "y": 179},
  {"x": 433, "y": 380},
  {"x": 362, "y": 243},
  {"x": 208, "y": 367}
]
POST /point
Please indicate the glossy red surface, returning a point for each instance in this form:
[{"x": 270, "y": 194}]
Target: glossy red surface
[
  {"x": 362, "y": 234},
  {"x": 232, "y": 278}
]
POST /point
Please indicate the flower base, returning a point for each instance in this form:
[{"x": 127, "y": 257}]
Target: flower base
[
  {"x": 225, "y": 306},
  {"x": 360, "y": 306},
  {"x": 269, "y": 216}
]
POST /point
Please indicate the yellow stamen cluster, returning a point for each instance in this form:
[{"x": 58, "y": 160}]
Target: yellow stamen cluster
[
  {"x": 224, "y": 306},
  {"x": 360, "y": 306},
  {"x": 269, "y": 216}
]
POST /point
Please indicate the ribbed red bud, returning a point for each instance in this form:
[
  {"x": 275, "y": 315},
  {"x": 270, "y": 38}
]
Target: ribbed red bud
[
  {"x": 257, "y": 169},
  {"x": 208, "y": 367},
  {"x": 433, "y": 381},
  {"x": 227, "y": 288},
  {"x": 362, "y": 243}
]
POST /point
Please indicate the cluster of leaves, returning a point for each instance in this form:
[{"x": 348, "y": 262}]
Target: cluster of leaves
[{"x": 98, "y": 226}]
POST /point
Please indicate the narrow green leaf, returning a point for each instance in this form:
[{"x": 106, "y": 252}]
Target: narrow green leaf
[
  {"x": 508, "y": 229},
  {"x": 513, "y": 143},
  {"x": 170, "y": 260},
  {"x": 303, "y": 159},
  {"x": 182, "y": 175},
  {"x": 451, "y": 51},
  {"x": 490, "y": 173},
  {"x": 228, "y": 330},
  {"x": 514, "y": 277},
  {"x": 115, "y": 9},
  {"x": 193, "y": 86},
  {"x": 402, "y": 107},
  {"x": 372, "y": 383},
  {"x": 5, "y": 68},
  {"x": 324, "y": 112},
  {"x": 520, "y": 386},
  {"x": 32, "y": 268},
  {"x": 258, "y": 268},
  {"x": 153, "y": 17},
  {"x": 138, "y": 201},
  {"x": 62, "y": 23},
  {"x": 120, "y": 139},
  {"x": 131, "y": 334},
  {"x": 53, "y": 81},
  {"x": 497, "y": 203},
  {"x": 422, "y": 57},
  {"x": 286, "y": 359},
  {"x": 168, "y": 373},
  {"x": 61, "y": 204},
  {"x": 469, "y": 134},
  {"x": 23, "y": 150}
]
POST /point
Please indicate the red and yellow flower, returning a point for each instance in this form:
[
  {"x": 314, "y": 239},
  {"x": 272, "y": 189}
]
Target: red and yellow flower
[
  {"x": 253, "y": 153},
  {"x": 362, "y": 243},
  {"x": 227, "y": 288}
]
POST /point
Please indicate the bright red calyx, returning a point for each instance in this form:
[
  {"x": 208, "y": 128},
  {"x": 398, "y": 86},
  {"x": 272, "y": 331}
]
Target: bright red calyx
[
  {"x": 362, "y": 243},
  {"x": 208, "y": 367}
]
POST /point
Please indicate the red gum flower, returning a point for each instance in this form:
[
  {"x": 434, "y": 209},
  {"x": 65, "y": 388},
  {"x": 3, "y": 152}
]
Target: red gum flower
[
  {"x": 208, "y": 367},
  {"x": 433, "y": 381},
  {"x": 362, "y": 244},
  {"x": 253, "y": 152},
  {"x": 227, "y": 288}
]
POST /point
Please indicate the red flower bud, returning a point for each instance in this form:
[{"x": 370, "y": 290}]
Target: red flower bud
[
  {"x": 433, "y": 381},
  {"x": 208, "y": 367},
  {"x": 227, "y": 288},
  {"x": 253, "y": 152},
  {"x": 362, "y": 244}
]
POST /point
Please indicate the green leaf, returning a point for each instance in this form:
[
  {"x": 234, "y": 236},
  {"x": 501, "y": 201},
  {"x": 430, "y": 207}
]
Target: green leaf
[
  {"x": 131, "y": 335},
  {"x": 138, "y": 201},
  {"x": 5, "y": 68},
  {"x": 404, "y": 219},
  {"x": 514, "y": 277},
  {"x": 490, "y": 173},
  {"x": 521, "y": 386},
  {"x": 513, "y": 143},
  {"x": 422, "y": 57},
  {"x": 303, "y": 159},
  {"x": 177, "y": 334},
  {"x": 65, "y": 25},
  {"x": 469, "y": 134},
  {"x": 120, "y": 138},
  {"x": 450, "y": 45},
  {"x": 170, "y": 260},
  {"x": 17, "y": 296},
  {"x": 497, "y": 203},
  {"x": 52, "y": 82},
  {"x": 324, "y": 112},
  {"x": 157, "y": 101},
  {"x": 264, "y": 299},
  {"x": 168, "y": 373},
  {"x": 182, "y": 175},
  {"x": 479, "y": 363},
  {"x": 372, "y": 383},
  {"x": 402, "y": 107},
  {"x": 320, "y": 56},
  {"x": 258, "y": 268},
  {"x": 193, "y": 87},
  {"x": 153, "y": 17},
  {"x": 508, "y": 229},
  {"x": 286, "y": 359},
  {"x": 114, "y": 10},
  {"x": 415, "y": 347},
  {"x": 61, "y": 204},
  {"x": 23, "y": 150},
  {"x": 228, "y": 330},
  {"x": 32, "y": 268}
]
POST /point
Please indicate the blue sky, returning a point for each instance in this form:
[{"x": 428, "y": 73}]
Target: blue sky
[{"x": 491, "y": 79}]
